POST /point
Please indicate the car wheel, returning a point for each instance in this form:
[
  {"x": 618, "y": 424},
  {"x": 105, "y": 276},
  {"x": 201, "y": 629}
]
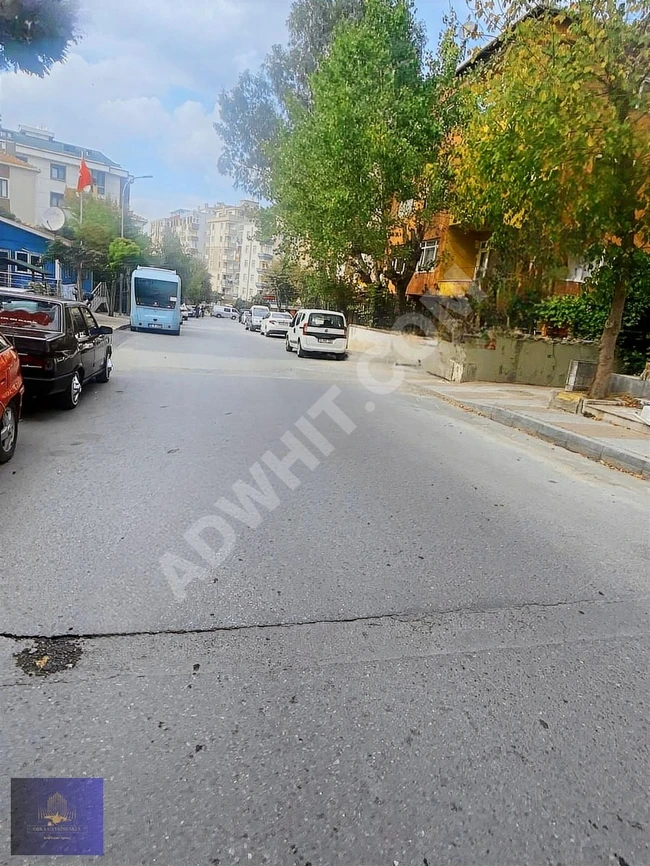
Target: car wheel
[
  {"x": 218, "y": 315},
  {"x": 105, "y": 373},
  {"x": 70, "y": 397},
  {"x": 287, "y": 345},
  {"x": 8, "y": 432},
  {"x": 301, "y": 352},
  {"x": 342, "y": 356}
]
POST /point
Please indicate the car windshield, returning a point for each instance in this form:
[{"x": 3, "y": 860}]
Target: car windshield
[
  {"x": 29, "y": 314},
  {"x": 345, "y": 562},
  {"x": 326, "y": 320},
  {"x": 155, "y": 293}
]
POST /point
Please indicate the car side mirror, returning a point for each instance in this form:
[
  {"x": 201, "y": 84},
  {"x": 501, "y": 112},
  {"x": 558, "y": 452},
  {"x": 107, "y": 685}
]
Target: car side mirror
[{"x": 101, "y": 331}]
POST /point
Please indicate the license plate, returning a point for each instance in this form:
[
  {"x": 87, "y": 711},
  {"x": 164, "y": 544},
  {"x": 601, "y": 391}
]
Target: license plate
[
  {"x": 155, "y": 326},
  {"x": 325, "y": 340}
]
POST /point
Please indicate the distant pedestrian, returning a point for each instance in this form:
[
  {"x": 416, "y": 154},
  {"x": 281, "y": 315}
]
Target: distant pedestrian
[{"x": 197, "y": 311}]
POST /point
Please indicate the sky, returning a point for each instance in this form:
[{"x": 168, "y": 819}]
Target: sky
[{"x": 142, "y": 85}]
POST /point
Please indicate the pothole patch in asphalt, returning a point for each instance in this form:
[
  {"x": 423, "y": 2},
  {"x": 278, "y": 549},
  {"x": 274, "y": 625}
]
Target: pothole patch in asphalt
[{"x": 49, "y": 656}]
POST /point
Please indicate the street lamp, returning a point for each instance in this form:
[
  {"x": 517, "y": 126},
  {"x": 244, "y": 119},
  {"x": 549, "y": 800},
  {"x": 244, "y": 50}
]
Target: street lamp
[{"x": 124, "y": 189}]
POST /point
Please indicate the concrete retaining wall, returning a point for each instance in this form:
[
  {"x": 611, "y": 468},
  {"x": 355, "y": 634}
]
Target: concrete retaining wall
[
  {"x": 523, "y": 361},
  {"x": 620, "y": 384}
]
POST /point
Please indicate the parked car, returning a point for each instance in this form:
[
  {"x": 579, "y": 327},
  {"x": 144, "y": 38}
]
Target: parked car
[
  {"x": 222, "y": 311},
  {"x": 60, "y": 344},
  {"x": 242, "y": 316},
  {"x": 185, "y": 312},
  {"x": 257, "y": 316},
  {"x": 11, "y": 398},
  {"x": 316, "y": 331},
  {"x": 277, "y": 324}
]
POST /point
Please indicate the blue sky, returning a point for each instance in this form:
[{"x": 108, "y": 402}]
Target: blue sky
[{"x": 142, "y": 84}]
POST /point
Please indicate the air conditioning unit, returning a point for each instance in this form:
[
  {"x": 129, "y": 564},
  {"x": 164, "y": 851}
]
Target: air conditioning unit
[{"x": 581, "y": 375}]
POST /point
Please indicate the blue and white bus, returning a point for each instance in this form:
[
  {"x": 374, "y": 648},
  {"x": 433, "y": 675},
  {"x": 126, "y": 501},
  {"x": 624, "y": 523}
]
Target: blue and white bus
[{"x": 155, "y": 300}]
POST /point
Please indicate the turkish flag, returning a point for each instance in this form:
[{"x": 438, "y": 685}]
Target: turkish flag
[{"x": 85, "y": 177}]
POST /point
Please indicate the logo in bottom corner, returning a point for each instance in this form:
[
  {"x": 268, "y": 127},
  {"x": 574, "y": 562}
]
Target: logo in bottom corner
[{"x": 57, "y": 816}]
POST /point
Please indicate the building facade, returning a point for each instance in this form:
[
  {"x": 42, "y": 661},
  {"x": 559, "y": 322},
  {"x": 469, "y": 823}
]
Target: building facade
[
  {"x": 224, "y": 244},
  {"x": 18, "y": 188},
  {"x": 189, "y": 226},
  {"x": 254, "y": 259},
  {"x": 58, "y": 167}
]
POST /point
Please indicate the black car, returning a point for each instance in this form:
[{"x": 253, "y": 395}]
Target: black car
[{"x": 60, "y": 344}]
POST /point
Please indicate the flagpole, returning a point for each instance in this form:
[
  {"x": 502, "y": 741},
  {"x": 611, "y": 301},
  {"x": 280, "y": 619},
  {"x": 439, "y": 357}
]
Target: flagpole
[{"x": 81, "y": 207}]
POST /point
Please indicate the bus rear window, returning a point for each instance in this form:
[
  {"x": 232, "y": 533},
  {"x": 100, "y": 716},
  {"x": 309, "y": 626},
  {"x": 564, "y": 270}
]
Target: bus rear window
[{"x": 155, "y": 293}]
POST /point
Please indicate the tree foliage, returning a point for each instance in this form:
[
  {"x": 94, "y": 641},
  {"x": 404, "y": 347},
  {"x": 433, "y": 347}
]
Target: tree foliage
[
  {"x": 196, "y": 285},
  {"x": 255, "y": 110},
  {"x": 585, "y": 314},
  {"x": 36, "y": 34},
  {"x": 363, "y": 162},
  {"x": 556, "y": 152}
]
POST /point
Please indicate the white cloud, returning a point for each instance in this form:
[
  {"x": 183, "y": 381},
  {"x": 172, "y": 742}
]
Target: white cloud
[{"x": 142, "y": 83}]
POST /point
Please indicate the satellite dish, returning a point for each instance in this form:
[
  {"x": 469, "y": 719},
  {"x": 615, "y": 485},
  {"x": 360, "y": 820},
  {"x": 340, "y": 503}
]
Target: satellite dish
[{"x": 53, "y": 219}]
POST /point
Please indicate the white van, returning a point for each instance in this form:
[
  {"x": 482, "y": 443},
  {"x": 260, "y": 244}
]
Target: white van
[
  {"x": 318, "y": 331},
  {"x": 257, "y": 316},
  {"x": 222, "y": 312}
]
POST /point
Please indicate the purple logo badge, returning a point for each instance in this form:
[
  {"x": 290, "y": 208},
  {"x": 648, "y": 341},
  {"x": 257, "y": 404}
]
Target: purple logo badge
[{"x": 57, "y": 816}]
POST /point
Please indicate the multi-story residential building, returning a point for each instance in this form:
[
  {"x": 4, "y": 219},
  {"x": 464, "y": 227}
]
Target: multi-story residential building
[
  {"x": 254, "y": 259},
  {"x": 17, "y": 188},
  {"x": 224, "y": 244},
  {"x": 58, "y": 167},
  {"x": 189, "y": 226}
]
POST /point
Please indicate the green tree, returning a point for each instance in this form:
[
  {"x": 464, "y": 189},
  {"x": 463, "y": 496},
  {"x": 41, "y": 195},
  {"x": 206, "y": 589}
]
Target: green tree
[
  {"x": 555, "y": 156},
  {"x": 365, "y": 161},
  {"x": 255, "y": 110},
  {"x": 36, "y": 34},
  {"x": 85, "y": 245},
  {"x": 195, "y": 279}
]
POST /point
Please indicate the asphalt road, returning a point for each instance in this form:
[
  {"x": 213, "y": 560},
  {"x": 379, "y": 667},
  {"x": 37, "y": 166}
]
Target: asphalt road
[{"x": 427, "y": 644}]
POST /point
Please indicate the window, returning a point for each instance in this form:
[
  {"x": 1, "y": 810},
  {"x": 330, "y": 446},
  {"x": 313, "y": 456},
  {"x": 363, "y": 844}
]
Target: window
[
  {"x": 88, "y": 318},
  {"x": 56, "y": 199},
  {"x": 78, "y": 325},
  {"x": 20, "y": 312},
  {"x": 57, "y": 171},
  {"x": 28, "y": 259},
  {"x": 4, "y": 188},
  {"x": 99, "y": 181},
  {"x": 405, "y": 208},
  {"x": 428, "y": 255},
  {"x": 482, "y": 260}
]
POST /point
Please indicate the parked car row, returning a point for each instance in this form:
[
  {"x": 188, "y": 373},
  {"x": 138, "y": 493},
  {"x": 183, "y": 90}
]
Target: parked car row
[
  {"x": 309, "y": 332},
  {"x": 48, "y": 347}
]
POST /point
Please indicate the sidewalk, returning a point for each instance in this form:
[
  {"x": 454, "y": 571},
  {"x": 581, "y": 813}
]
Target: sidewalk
[
  {"x": 526, "y": 407},
  {"x": 117, "y": 322}
]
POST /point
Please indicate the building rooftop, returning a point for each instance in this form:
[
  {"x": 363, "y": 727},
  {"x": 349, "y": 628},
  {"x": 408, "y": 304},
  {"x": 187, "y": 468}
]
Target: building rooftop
[
  {"x": 44, "y": 140},
  {"x": 10, "y": 159}
]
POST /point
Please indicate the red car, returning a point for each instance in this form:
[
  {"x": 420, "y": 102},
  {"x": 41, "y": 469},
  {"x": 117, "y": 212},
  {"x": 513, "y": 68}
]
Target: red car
[{"x": 11, "y": 399}]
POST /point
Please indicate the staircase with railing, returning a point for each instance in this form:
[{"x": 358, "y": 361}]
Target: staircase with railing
[{"x": 100, "y": 298}]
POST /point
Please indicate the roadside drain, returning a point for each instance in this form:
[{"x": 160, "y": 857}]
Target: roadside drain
[{"x": 49, "y": 656}]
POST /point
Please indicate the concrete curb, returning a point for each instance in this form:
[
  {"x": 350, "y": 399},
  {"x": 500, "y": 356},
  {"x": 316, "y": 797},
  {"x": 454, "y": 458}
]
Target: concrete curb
[{"x": 612, "y": 456}]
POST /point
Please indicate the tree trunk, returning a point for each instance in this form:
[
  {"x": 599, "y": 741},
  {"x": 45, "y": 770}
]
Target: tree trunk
[
  {"x": 401, "y": 285},
  {"x": 612, "y": 329}
]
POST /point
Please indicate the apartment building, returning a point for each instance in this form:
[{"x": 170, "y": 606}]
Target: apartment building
[
  {"x": 254, "y": 259},
  {"x": 58, "y": 168},
  {"x": 189, "y": 226},
  {"x": 224, "y": 245},
  {"x": 17, "y": 188}
]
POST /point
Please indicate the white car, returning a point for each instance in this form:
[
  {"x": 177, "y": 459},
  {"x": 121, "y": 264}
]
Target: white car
[
  {"x": 223, "y": 312},
  {"x": 185, "y": 313},
  {"x": 316, "y": 331},
  {"x": 257, "y": 316},
  {"x": 277, "y": 324}
]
